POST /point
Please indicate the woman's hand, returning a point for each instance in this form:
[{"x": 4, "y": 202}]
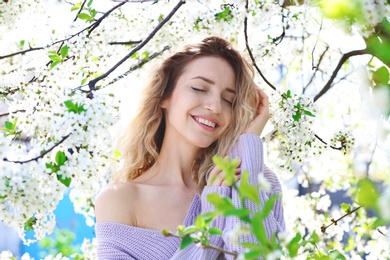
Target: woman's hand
[
  {"x": 262, "y": 115},
  {"x": 217, "y": 176}
]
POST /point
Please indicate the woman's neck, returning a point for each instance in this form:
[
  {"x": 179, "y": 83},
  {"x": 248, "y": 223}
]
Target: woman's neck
[{"x": 173, "y": 166}]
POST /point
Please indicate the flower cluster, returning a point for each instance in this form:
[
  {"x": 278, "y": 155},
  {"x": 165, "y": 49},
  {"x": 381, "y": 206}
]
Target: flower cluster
[
  {"x": 344, "y": 140},
  {"x": 292, "y": 116}
]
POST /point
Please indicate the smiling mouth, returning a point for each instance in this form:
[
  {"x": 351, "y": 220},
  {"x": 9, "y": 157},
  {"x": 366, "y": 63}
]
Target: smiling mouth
[{"x": 205, "y": 122}]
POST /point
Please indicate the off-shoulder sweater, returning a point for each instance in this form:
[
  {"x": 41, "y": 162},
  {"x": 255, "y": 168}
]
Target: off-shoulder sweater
[{"x": 119, "y": 241}]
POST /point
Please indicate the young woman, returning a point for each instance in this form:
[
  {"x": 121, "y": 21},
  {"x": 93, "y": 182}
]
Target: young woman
[{"x": 200, "y": 102}]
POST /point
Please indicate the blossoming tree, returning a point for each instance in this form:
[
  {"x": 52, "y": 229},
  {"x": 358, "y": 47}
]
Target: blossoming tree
[{"x": 325, "y": 65}]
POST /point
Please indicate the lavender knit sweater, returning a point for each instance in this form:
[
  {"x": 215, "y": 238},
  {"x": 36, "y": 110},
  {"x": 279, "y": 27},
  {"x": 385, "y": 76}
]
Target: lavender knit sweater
[{"x": 119, "y": 241}]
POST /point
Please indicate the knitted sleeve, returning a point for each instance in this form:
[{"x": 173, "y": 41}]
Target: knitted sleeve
[{"x": 249, "y": 149}]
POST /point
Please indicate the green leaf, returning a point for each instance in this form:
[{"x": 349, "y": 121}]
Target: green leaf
[
  {"x": 258, "y": 228},
  {"x": 21, "y": 43},
  {"x": 345, "y": 207},
  {"x": 188, "y": 230},
  {"x": 297, "y": 116},
  {"x": 60, "y": 158},
  {"x": 186, "y": 242},
  {"x": 335, "y": 254},
  {"x": 211, "y": 214},
  {"x": 69, "y": 104},
  {"x": 64, "y": 51},
  {"x": 238, "y": 212},
  {"x": 135, "y": 55},
  {"x": 28, "y": 226},
  {"x": 84, "y": 16},
  {"x": 9, "y": 125},
  {"x": 92, "y": 13},
  {"x": 224, "y": 15},
  {"x": 367, "y": 193},
  {"x": 381, "y": 76},
  {"x": 83, "y": 81},
  {"x": 308, "y": 113},
  {"x": 314, "y": 238},
  {"x": 293, "y": 245},
  {"x": 75, "y": 108},
  {"x": 76, "y": 6},
  {"x": 65, "y": 181},
  {"x": 145, "y": 55},
  {"x": 117, "y": 154},
  {"x": 200, "y": 222},
  {"x": 55, "y": 58},
  {"x": 90, "y": 3},
  {"x": 252, "y": 246},
  {"x": 54, "y": 168},
  {"x": 378, "y": 43},
  {"x": 255, "y": 254},
  {"x": 248, "y": 191},
  {"x": 221, "y": 203},
  {"x": 215, "y": 231},
  {"x": 269, "y": 204},
  {"x": 54, "y": 63}
]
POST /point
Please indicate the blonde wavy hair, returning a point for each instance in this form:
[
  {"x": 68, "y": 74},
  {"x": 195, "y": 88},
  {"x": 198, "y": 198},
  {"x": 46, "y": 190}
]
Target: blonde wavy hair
[{"x": 141, "y": 141}]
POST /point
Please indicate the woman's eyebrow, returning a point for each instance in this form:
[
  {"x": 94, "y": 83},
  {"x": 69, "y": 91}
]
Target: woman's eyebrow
[
  {"x": 204, "y": 79},
  {"x": 213, "y": 83}
]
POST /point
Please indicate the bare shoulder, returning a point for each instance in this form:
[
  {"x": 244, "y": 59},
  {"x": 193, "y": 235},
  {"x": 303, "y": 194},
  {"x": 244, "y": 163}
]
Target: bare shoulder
[{"x": 115, "y": 203}]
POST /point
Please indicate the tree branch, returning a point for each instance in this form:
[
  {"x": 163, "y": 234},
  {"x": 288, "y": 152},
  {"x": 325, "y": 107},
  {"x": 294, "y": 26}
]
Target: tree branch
[
  {"x": 334, "y": 222},
  {"x": 81, "y": 9},
  {"x": 316, "y": 68},
  {"x": 8, "y": 113},
  {"x": 21, "y": 52},
  {"x": 137, "y": 66},
  {"x": 42, "y": 154},
  {"x": 325, "y": 143},
  {"x": 92, "y": 83},
  {"x": 90, "y": 27},
  {"x": 249, "y": 49},
  {"x": 125, "y": 43},
  {"x": 234, "y": 254},
  {"x": 98, "y": 21},
  {"x": 343, "y": 59}
]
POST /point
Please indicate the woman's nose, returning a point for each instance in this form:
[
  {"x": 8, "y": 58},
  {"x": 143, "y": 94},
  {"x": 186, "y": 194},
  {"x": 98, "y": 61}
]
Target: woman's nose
[{"x": 214, "y": 105}]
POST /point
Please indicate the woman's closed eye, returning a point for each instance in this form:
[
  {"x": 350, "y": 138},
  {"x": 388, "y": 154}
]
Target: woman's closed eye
[
  {"x": 228, "y": 101},
  {"x": 198, "y": 89}
]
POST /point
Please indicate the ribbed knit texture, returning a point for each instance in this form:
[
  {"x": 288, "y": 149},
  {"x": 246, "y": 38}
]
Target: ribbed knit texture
[{"x": 119, "y": 241}]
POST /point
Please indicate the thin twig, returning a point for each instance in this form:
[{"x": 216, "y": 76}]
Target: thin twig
[
  {"x": 42, "y": 154},
  {"x": 21, "y": 52},
  {"x": 93, "y": 82},
  {"x": 314, "y": 48},
  {"x": 250, "y": 52},
  {"x": 381, "y": 232},
  {"x": 235, "y": 254},
  {"x": 13, "y": 112},
  {"x": 125, "y": 43},
  {"x": 316, "y": 68},
  {"x": 136, "y": 66},
  {"x": 98, "y": 21},
  {"x": 371, "y": 158},
  {"x": 334, "y": 222},
  {"x": 325, "y": 143},
  {"x": 343, "y": 59},
  {"x": 81, "y": 9}
]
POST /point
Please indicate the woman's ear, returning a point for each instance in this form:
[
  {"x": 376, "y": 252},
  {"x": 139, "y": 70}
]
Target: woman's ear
[{"x": 165, "y": 103}]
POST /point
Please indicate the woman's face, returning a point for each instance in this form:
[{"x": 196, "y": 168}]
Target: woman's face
[{"x": 200, "y": 107}]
